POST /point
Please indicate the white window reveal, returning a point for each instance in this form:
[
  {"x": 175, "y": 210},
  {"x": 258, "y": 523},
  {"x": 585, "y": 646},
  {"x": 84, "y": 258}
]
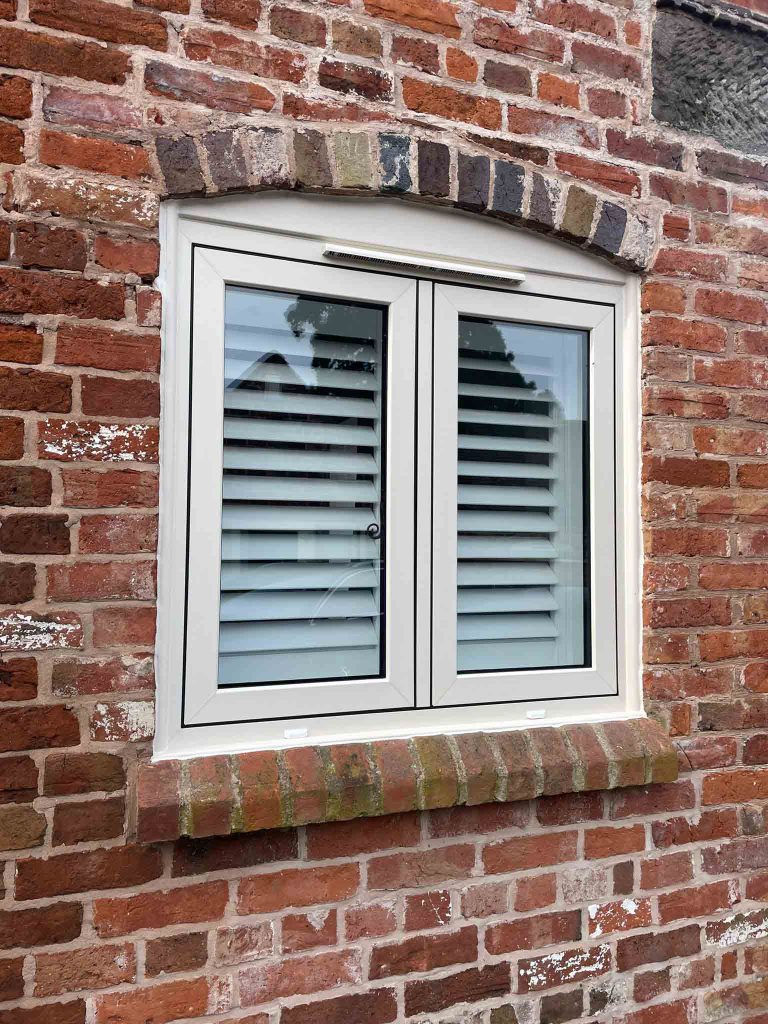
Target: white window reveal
[{"x": 399, "y": 486}]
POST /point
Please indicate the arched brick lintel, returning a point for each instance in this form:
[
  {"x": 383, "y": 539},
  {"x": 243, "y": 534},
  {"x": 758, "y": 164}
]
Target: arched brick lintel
[{"x": 392, "y": 164}]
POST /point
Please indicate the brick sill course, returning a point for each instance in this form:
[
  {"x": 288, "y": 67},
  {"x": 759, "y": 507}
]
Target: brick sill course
[{"x": 222, "y": 794}]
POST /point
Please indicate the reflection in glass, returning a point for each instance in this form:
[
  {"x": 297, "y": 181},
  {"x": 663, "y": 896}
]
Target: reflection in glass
[
  {"x": 303, "y": 406},
  {"x": 523, "y": 591}
]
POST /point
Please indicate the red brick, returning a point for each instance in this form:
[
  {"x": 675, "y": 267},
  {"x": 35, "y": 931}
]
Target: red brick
[
  {"x": 200, "y": 856},
  {"x": 91, "y": 968},
  {"x": 347, "y": 839},
  {"x": 18, "y": 679},
  {"x": 102, "y": 21},
  {"x": 40, "y": 926},
  {"x": 662, "y": 872},
  {"x": 662, "y": 297},
  {"x": 698, "y": 902},
  {"x": 533, "y": 932},
  {"x": 622, "y": 916},
  {"x": 15, "y": 96},
  {"x": 127, "y": 720},
  {"x": 66, "y": 774},
  {"x": 127, "y": 255},
  {"x": 460, "y": 65},
  {"x": 20, "y": 343},
  {"x": 535, "y": 892},
  {"x": 369, "y": 920},
  {"x": 173, "y": 953},
  {"x": 116, "y": 868},
  {"x": 244, "y": 13},
  {"x": 111, "y": 489},
  {"x": 21, "y": 827},
  {"x": 605, "y": 60},
  {"x": 424, "y": 953},
  {"x": 480, "y": 820},
  {"x": 34, "y": 727},
  {"x": 498, "y": 35},
  {"x": 189, "y": 86},
  {"x": 107, "y": 350},
  {"x": 11, "y": 979},
  {"x": 379, "y": 1006},
  {"x": 610, "y": 176},
  {"x": 27, "y": 291},
  {"x": 84, "y": 823},
  {"x": 71, "y": 1012},
  {"x": 657, "y": 947},
  {"x": 471, "y": 986},
  {"x": 59, "y": 149},
  {"x": 117, "y": 534},
  {"x": 297, "y": 26},
  {"x": 435, "y": 16},
  {"x": 613, "y": 842},
  {"x": 37, "y": 51},
  {"x": 57, "y": 248},
  {"x": 576, "y": 17},
  {"x": 423, "y": 868},
  {"x": 644, "y": 150},
  {"x": 523, "y": 121},
  {"x": 427, "y": 910},
  {"x": 202, "y": 44},
  {"x": 526, "y": 852},
  {"x": 18, "y": 780},
  {"x": 306, "y": 931},
  {"x": 296, "y": 887},
  {"x": 134, "y": 626},
  {"x": 684, "y": 472},
  {"x": 159, "y": 1003},
  {"x": 663, "y": 1013},
  {"x": 573, "y": 965},
  {"x": 442, "y": 101},
  {"x": 105, "y": 202},
  {"x": 189, "y": 904},
  {"x": 100, "y": 581},
  {"x": 298, "y": 976}
]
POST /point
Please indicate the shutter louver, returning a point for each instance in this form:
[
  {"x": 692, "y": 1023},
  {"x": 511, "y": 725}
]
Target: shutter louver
[
  {"x": 520, "y": 529},
  {"x": 300, "y": 576}
]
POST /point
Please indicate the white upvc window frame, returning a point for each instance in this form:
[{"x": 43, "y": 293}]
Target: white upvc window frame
[
  {"x": 600, "y": 678},
  {"x": 257, "y": 241}
]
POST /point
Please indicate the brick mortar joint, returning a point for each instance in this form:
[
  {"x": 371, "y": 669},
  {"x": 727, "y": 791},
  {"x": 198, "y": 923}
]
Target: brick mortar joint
[{"x": 164, "y": 812}]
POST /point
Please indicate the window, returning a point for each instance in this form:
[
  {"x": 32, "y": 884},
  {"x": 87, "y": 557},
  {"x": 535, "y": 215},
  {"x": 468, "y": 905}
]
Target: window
[{"x": 399, "y": 487}]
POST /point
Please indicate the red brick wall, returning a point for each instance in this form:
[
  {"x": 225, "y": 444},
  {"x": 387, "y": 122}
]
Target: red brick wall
[{"x": 645, "y": 906}]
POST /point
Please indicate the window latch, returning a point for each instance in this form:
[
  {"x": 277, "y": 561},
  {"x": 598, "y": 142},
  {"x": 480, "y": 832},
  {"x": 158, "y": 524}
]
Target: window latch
[{"x": 373, "y": 530}]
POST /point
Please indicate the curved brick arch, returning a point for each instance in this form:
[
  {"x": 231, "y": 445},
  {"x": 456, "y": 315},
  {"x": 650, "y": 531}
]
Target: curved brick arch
[{"x": 385, "y": 163}]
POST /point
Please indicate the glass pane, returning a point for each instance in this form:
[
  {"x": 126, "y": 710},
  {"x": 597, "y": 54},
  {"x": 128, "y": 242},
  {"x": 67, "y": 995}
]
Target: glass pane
[
  {"x": 301, "y": 552},
  {"x": 523, "y": 572}
]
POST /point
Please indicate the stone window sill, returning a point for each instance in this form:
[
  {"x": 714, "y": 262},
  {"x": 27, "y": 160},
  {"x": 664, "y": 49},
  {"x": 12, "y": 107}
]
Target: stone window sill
[{"x": 218, "y": 795}]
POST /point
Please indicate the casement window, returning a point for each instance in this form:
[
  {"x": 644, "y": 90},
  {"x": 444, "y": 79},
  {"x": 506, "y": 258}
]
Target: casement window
[{"x": 398, "y": 478}]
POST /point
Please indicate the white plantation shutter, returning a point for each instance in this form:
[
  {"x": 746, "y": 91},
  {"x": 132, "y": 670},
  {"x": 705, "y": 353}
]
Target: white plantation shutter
[
  {"x": 519, "y": 500},
  {"x": 301, "y": 593}
]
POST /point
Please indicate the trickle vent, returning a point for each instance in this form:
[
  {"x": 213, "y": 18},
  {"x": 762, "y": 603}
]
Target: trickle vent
[{"x": 394, "y": 260}]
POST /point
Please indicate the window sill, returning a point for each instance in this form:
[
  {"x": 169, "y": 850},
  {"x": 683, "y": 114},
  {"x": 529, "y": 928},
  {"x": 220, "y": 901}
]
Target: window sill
[{"x": 222, "y": 794}]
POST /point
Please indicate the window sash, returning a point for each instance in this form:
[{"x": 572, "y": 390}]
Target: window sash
[
  {"x": 204, "y": 700},
  {"x": 449, "y": 688}
]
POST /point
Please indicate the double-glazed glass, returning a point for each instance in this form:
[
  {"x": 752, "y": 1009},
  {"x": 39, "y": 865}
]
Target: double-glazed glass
[
  {"x": 523, "y": 552},
  {"x": 302, "y": 536}
]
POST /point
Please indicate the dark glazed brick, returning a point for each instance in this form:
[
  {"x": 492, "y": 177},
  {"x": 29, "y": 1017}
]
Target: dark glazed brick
[
  {"x": 180, "y": 165},
  {"x": 199, "y": 856},
  {"x": 658, "y": 947},
  {"x": 543, "y": 203},
  {"x": 579, "y": 211},
  {"x": 17, "y": 583},
  {"x": 508, "y": 186},
  {"x": 474, "y": 178},
  {"x": 610, "y": 228},
  {"x": 312, "y": 166},
  {"x": 431, "y": 995},
  {"x": 35, "y": 535},
  {"x": 396, "y": 172},
  {"x": 226, "y": 162},
  {"x": 561, "y": 1007},
  {"x": 434, "y": 169},
  {"x": 508, "y": 78}
]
